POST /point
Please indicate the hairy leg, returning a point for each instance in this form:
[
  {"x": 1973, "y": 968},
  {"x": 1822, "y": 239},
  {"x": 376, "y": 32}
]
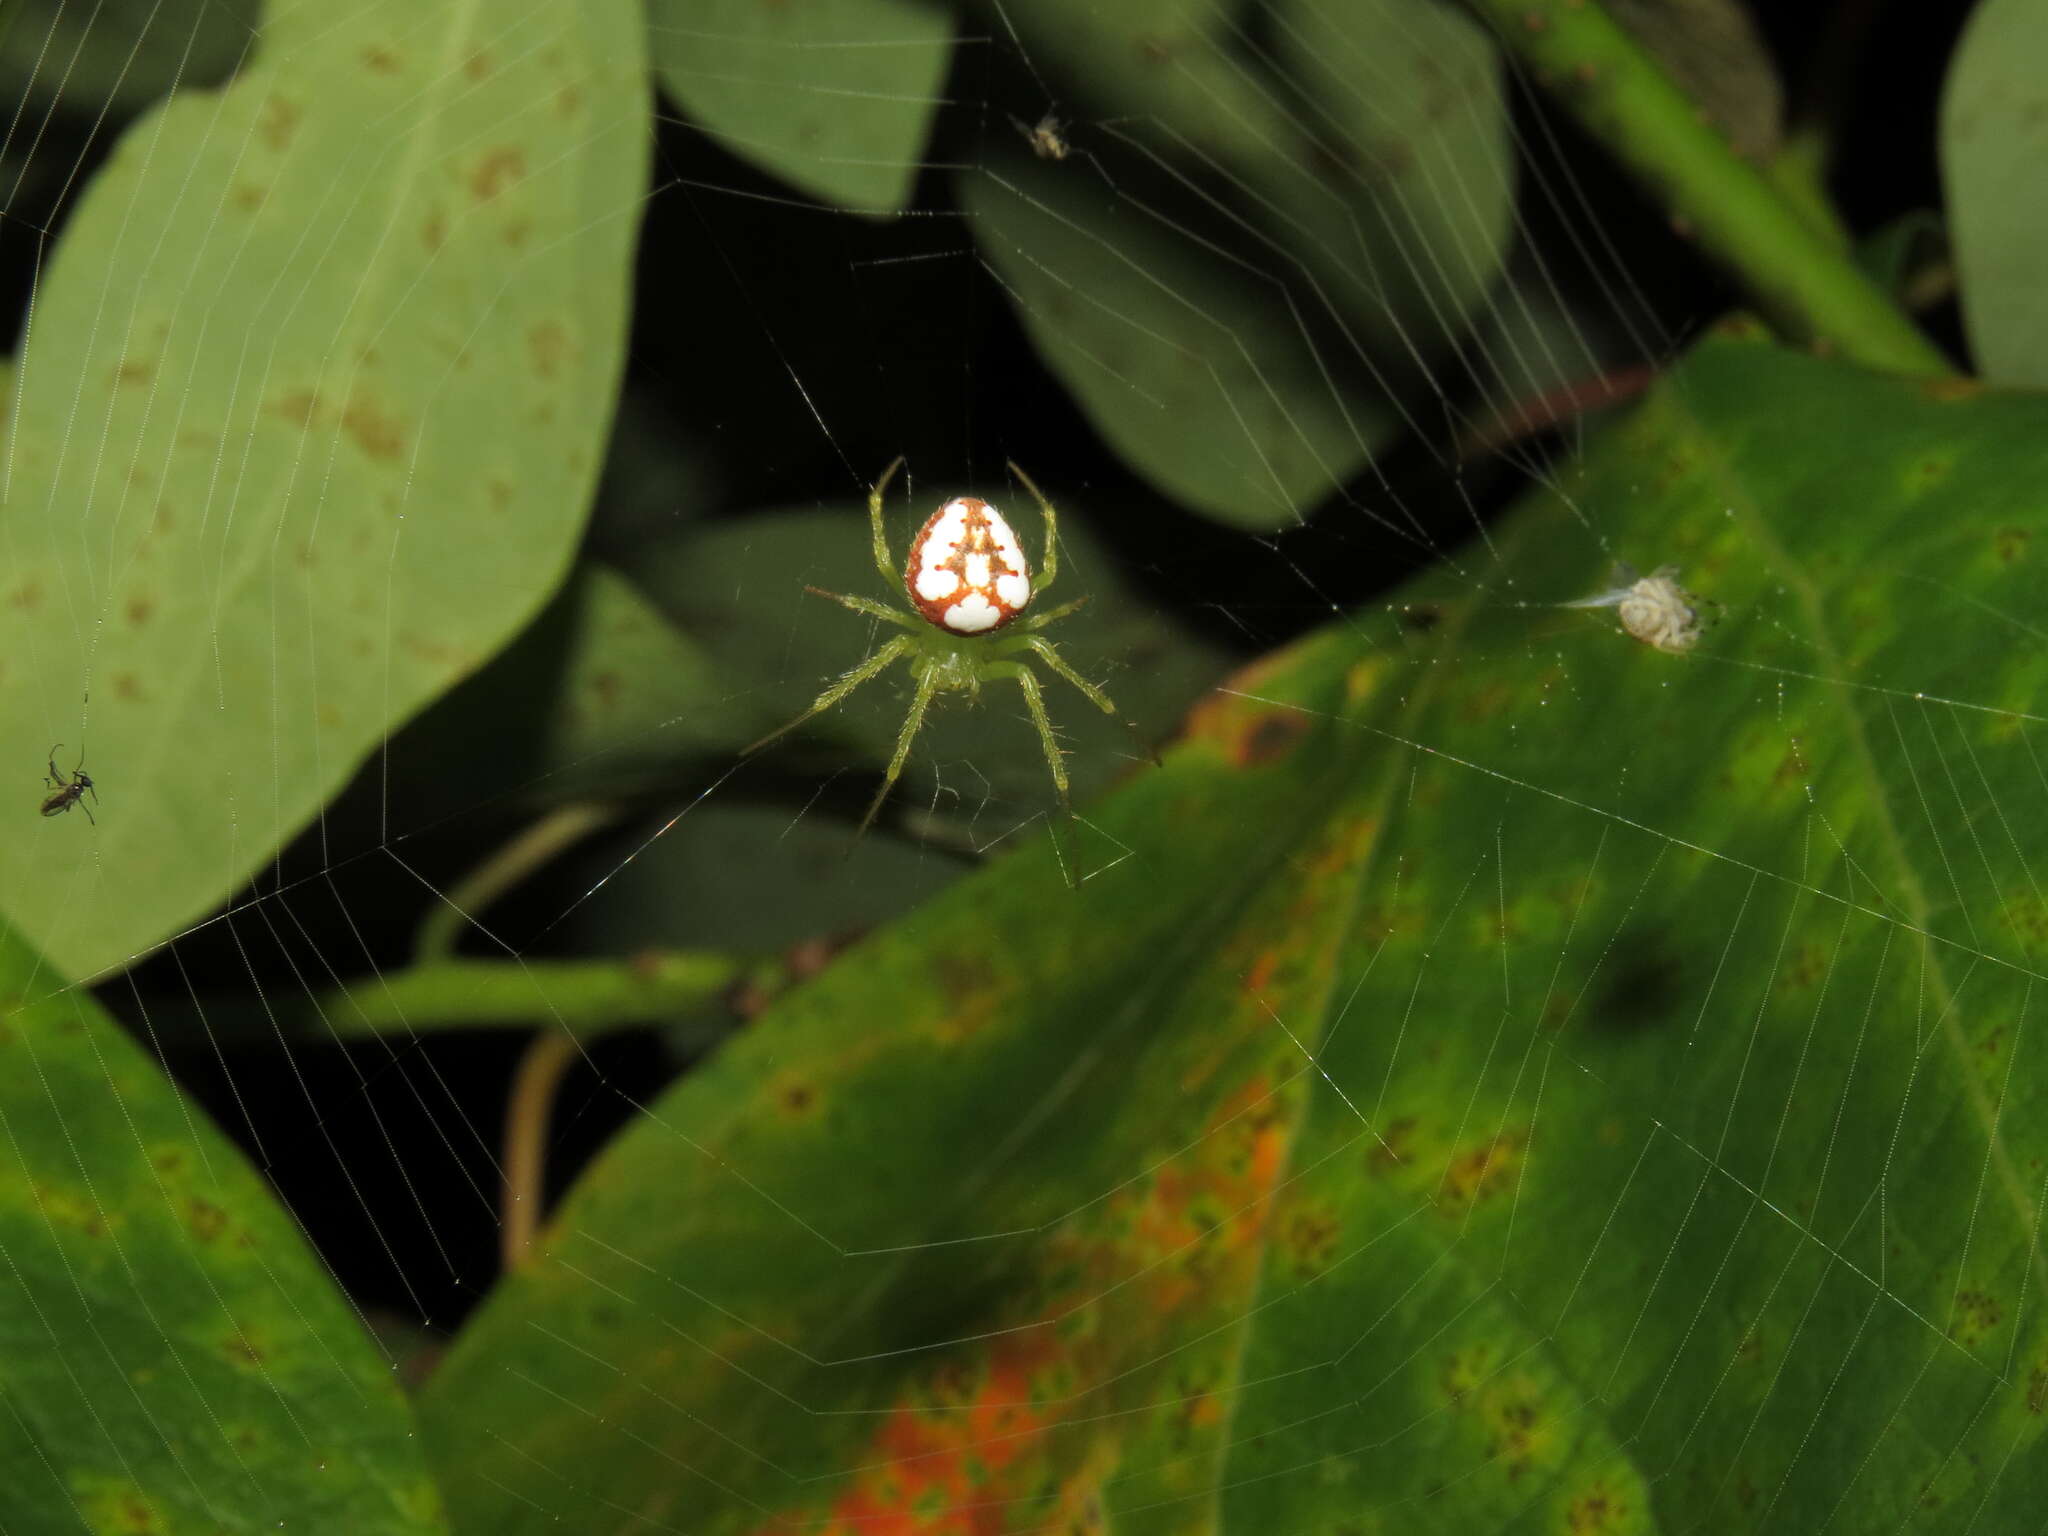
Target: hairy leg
[
  {"x": 894, "y": 651},
  {"x": 870, "y": 607},
  {"x": 882, "y": 562},
  {"x": 927, "y": 685},
  {"x": 1038, "y": 621},
  {"x": 1035, "y": 702},
  {"x": 1051, "y": 569},
  {"x": 1045, "y": 651}
]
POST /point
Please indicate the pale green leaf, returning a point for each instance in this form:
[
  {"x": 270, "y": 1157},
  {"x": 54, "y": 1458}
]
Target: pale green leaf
[
  {"x": 1994, "y": 142},
  {"x": 309, "y": 413},
  {"x": 836, "y": 97}
]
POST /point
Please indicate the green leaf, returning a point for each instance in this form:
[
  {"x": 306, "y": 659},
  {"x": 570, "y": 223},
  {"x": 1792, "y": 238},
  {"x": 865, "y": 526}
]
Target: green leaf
[
  {"x": 118, "y": 55},
  {"x": 749, "y": 879},
  {"x": 607, "y": 697},
  {"x": 1198, "y": 372},
  {"x": 836, "y": 97},
  {"x": 1371, "y": 136},
  {"x": 1994, "y": 140},
  {"x": 175, "y": 1358},
  {"x": 311, "y": 406},
  {"x": 1518, "y": 1080}
]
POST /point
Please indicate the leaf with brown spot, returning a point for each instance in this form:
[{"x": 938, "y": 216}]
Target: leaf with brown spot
[
  {"x": 1771, "y": 1258},
  {"x": 138, "y": 1345},
  {"x": 347, "y": 411}
]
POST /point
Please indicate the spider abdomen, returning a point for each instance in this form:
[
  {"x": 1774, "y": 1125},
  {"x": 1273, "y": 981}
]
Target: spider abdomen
[{"x": 967, "y": 572}]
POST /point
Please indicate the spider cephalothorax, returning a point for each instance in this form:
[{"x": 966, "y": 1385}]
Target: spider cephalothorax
[{"x": 968, "y": 583}]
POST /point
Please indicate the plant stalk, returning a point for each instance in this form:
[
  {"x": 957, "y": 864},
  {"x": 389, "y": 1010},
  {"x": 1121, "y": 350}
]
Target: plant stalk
[
  {"x": 1810, "y": 290},
  {"x": 583, "y": 997}
]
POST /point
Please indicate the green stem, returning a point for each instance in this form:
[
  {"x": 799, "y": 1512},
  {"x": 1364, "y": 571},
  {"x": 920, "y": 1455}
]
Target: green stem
[
  {"x": 1808, "y": 288},
  {"x": 583, "y": 997},
  {"x": 548, "y": 1056}
]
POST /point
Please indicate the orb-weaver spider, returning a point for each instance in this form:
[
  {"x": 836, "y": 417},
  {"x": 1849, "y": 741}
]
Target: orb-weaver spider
[{"x": 967, "y": 580}]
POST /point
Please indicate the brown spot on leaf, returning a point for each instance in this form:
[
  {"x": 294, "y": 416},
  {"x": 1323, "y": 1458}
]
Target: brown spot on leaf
[
  {"x": 1977, "y": 1314},
  {"x": 1392, "y": 1149},
  {"x": 1260, "y": 976},
  {"x": 381, "y": 60},
  {"x": 1806, "y": 966},
  {"x": 500, "y": 492},
  {"x": 133, "y": 371},
  {"x": 206, "y": 1219},
  {"x": 1927, "y": 472},
  {"x": 2010, "y": 544},
  {"x": 497, "y": 169},
  {"x": 1949, "y": 389},
  {"x": 248, "y": 197},
  {"x": 1485, "y": 701},
  {"x": 1595, "y": 1510},
  {"x": 1310, "y": 1239},
  {"x": 140, "y": 607},
  {"x": 796, "y": 1098},
  {"x": 277, "y": 122},
  {"x": 434, "y": 231},
  {"x": 375, "y": 433},
  {"x": 477, "y": 66},
  {"x": 1481, "y": 1171},
  {"x": 1269, "y": 738},
  {"x": 550, "y": 344},
  {"x": 28, "y": 597},
  {"x": 298, "y": 406},
  {"x": 123, "y": 1513},
  {"x": 568, "y": 101},
  {"x": 127, "y": 686}
]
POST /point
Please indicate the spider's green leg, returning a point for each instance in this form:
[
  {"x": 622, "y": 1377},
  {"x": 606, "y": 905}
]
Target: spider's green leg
[
  {"x": 1051, "y": 572},
  {"x": 870, "y": 607},
  {"x": 1046, "y": 652},
  {"x": 1027, "y": 680},
  {"x": 927, "y": 685},
  {"x": 894, "y": 651},
  {"x": 1051, "y": 616},
  {"x": 889, "y": 575}
]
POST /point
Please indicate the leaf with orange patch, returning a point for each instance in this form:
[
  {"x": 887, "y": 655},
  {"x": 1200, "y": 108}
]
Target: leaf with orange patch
[{"x": 1514, "y": 1100}]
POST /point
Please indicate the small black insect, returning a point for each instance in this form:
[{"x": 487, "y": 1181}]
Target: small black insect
[{"x": 67, "y": 792}]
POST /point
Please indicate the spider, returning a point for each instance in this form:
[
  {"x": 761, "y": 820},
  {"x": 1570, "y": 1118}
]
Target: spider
[
  {"x": 967, "y": 580},
  {"x": 1655, "y": 609},
  {"x": 67, "y": 792}
]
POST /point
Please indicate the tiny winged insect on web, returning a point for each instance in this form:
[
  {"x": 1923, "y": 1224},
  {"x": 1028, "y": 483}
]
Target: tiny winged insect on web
[
  {"x": 67, "y": 791},
  {"x": 968, "y": 583},
  {"x": 1654, "y": 609},
  {"x": 1048, "y": 140}
]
